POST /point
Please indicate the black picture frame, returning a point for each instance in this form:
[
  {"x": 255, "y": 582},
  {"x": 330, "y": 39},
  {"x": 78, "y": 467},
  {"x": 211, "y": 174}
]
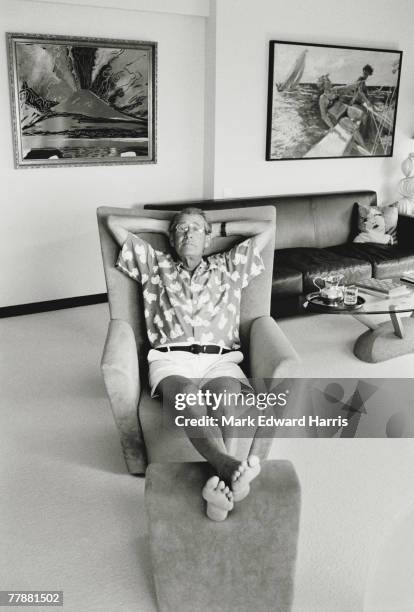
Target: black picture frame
[
  {"x": 80, "y": 101},
  {"x": 322, "y": 105}
]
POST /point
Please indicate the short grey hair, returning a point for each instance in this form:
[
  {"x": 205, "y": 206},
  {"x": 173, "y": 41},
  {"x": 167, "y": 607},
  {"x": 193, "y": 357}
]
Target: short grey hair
[{"x": 190, "y": 210}]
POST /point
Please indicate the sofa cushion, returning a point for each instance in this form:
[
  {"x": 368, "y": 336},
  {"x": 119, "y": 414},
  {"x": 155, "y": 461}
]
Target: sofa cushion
[
  {"x": 314, "y": 262},
  {"x": 387, "y": 261},
  {"x": 286, "y": 281}
]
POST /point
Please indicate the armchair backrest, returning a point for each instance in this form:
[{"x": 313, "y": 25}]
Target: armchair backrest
[{"x": 125, "y": 295}]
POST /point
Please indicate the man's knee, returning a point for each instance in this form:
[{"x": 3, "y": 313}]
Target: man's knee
[
  {"x": 224, "y": 384},
  {"x": 171, "y": 386}
]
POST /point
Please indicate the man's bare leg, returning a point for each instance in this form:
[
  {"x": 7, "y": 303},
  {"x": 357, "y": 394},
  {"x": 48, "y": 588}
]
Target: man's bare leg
[
  {"x": 230, "y": 406},
  {"x": 208, "y": 441},
  {"x": 226, "y": 407}
]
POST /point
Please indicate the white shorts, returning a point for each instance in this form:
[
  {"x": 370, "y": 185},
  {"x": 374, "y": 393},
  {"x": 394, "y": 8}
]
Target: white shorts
[{"x": 201, "y": 367}]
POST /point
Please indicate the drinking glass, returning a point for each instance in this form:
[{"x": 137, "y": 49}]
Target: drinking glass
[{"x": 351, "y": 295}]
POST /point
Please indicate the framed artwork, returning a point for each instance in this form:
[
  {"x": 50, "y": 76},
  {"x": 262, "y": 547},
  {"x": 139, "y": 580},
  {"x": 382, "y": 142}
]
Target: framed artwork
[
  {"x": 331, "y": 101},
  {"x": 82, "y": 101}
]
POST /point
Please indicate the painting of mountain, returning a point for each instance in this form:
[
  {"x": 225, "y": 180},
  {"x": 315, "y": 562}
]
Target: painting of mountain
[{"x": 82, "y": 101}]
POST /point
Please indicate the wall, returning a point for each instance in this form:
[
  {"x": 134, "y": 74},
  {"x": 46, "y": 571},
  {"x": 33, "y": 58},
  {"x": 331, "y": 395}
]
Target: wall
[
  {"x": 49, "y": 244},
  {"x": 217, "y": 63},
  {"x": 242, "y": 39},
  {"x": 177, "y": 7}
]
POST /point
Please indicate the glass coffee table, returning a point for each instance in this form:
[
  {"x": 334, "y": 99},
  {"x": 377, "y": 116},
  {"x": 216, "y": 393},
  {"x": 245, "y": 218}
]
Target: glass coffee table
[{"x": 382, "y": 340}]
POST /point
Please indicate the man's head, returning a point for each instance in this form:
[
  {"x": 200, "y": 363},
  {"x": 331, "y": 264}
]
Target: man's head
[
  {"x": 190, "y": 233},
  {"x": 324, "y": 82},
  {"x": 367, "y": 70}
]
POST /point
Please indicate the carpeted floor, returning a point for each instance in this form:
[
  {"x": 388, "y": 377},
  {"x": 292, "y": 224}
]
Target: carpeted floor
[
  {"x": 325, "y": 344},
  {"x": 73, "y": 520}
]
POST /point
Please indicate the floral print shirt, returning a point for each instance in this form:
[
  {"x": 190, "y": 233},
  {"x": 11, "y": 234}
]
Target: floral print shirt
[{"x": 198, "y": 308}]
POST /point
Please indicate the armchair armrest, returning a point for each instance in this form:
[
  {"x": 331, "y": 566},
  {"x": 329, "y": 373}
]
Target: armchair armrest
[
  {"x": 120, "y": 371},
  {"x": 271, "y": 353},
  {"x": 405, "y": 230}
]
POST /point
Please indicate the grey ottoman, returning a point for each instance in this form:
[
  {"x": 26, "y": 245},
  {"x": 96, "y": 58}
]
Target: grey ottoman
[{"x": 243, "y": 564}]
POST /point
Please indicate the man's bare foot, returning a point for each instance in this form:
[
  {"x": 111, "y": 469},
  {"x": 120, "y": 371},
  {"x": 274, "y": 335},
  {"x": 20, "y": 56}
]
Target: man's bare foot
[
  {"x": 219, "y": 499},
  {"x": 242, "y": 477}
]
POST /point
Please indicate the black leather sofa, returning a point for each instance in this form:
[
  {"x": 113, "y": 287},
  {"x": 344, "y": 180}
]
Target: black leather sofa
[{"x": 314, "y": 234}]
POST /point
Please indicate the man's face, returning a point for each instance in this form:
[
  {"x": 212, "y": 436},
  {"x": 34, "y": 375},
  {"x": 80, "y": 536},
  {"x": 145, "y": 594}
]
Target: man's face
[{"x": 189, "y": 238}]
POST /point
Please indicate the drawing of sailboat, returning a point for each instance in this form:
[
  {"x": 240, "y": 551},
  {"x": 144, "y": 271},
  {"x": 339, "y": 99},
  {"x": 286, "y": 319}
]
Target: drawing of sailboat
[
  {"x": 346, "y": 133},
  {"x": 294, "y": 75}
]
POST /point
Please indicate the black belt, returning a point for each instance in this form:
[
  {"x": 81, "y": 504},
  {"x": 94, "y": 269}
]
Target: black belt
[{"x": 196, "y": 349}]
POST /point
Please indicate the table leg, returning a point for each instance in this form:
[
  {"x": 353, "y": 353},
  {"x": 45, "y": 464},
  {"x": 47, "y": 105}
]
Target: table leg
[
  {"x": 397, "y": 324},
  {"x": 387, "y": 340}
]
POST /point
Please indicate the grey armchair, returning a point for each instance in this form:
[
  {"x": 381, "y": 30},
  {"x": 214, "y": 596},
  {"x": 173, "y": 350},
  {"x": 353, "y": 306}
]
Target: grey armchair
[{"x": 268, "y": 353}]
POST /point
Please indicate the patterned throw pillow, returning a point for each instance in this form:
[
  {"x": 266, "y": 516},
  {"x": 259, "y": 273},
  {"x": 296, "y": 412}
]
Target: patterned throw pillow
[
  {"x": 391, "y": 220},
  {"x": 377, "y": 224}
]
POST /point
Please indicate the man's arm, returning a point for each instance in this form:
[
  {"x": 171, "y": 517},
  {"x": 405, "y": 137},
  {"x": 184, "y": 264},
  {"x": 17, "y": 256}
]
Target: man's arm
[
  {"x": 259, "y": 231},
  {"x": 120, "y": 226}
]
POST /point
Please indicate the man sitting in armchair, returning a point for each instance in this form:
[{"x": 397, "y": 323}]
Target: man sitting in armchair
[{"x": 192, "y": 314}]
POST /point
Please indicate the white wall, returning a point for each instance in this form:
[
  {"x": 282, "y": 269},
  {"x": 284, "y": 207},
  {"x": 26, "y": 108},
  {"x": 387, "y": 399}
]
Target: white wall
[
  {"x": 180, "y": 7},
  {"x": 49, "y": 244},
  {"x": 242, "y": 39}
]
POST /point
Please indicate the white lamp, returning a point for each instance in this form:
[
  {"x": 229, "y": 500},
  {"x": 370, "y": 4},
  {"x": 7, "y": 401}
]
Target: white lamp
[{"x": 406, "y": 204}]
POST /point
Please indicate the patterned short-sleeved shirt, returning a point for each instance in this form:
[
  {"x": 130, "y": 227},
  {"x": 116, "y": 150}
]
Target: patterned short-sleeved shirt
[{"x": 198, "y": 308}]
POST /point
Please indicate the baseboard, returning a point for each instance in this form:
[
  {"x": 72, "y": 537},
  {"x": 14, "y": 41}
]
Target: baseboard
[{"x": 34, "y": 307}]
